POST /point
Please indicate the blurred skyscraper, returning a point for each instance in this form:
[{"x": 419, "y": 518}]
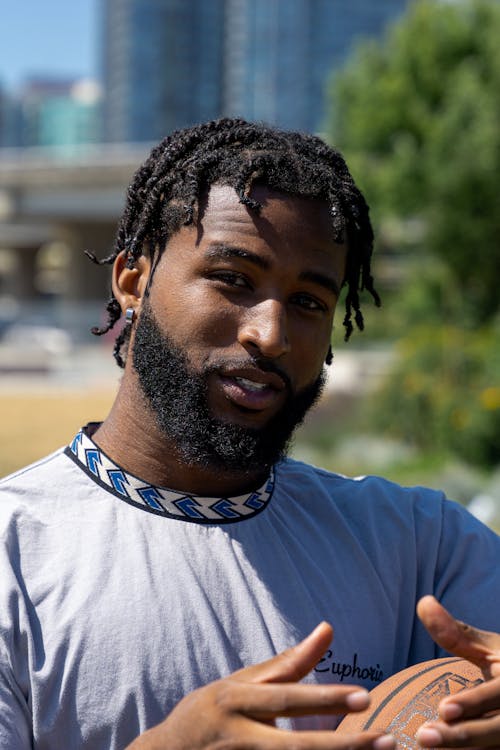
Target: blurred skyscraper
[
  {"x": 171, "y": 63},
  {"x": 163, "y": 65},
  {"x": 50, "y": 112},
  {"x": 281, "y": 53},
  {"x": 10, "y": 125}
]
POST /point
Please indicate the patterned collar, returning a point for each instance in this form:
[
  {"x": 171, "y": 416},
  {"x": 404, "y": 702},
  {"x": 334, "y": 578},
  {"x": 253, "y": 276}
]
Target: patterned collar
[{"x": 162, "y": 501}]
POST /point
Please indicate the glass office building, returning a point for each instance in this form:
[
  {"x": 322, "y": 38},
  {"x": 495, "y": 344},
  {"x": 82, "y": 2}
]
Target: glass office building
[
  {"x": 162, "y": 66},
  {"x": 171, "y": 63},
  {"x": 283, "y": 52}
]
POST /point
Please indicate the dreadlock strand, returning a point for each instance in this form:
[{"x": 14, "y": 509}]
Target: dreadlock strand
[
  {"x": 121, "y": 339},
  {"x": 114, "y": 312},
  {"x": 100, "y": 261}
]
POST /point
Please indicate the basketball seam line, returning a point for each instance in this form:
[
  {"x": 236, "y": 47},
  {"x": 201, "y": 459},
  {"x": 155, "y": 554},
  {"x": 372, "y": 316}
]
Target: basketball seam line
[{"x": 403, "y": 685}]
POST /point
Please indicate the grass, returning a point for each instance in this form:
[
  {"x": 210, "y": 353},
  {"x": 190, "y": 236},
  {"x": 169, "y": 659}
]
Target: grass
[{"x": 34, "y": 424}]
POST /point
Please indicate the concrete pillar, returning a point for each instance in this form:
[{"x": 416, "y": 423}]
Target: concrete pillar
[
  {"x": 87, "y": 286},
  {"x": 22, "y": 280},
  {"x": 85, "y": 280}
]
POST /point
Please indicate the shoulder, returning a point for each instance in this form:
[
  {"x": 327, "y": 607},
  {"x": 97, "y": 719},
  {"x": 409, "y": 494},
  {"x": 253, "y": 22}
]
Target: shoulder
[
  {"x": 27, "y": 472},
  {"x": 36, "y": 485},
  {"x": 363, "y": 491},
  {"x": 34, "y": 475},
  {"x": 372, "y": 502}
]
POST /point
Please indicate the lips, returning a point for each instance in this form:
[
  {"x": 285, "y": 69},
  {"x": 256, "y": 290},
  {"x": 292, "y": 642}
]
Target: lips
[
  {"x": 253, "y": 389},
  {"x": 251, "y": 385}
]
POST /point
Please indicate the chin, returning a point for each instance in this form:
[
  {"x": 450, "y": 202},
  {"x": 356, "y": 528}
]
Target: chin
[{"x": 249, "y": 419}]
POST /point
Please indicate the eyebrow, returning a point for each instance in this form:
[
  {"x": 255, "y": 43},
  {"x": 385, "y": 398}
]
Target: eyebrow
[
  {"x": 231, "y": 251},
  {"x": 221, "y": 250},
  {"x": 327, "y": 282}
]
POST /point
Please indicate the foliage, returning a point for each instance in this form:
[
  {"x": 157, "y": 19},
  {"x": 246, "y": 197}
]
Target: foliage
[
  {"x": 444, "y": 393},
  {"x": 417, "y": 115}
]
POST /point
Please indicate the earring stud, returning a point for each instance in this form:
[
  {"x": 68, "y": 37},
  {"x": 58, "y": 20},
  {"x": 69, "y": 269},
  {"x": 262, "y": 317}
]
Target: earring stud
[{"x": 129, "y": 316}]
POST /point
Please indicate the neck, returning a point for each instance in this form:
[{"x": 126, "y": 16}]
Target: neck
[{"x": 131, "y": 438}]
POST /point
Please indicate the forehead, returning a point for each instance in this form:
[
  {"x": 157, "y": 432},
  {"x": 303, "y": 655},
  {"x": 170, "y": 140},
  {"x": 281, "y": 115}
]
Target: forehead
[
  {"x": 283, "y": 217},
  {"x": 290, "y": 234}
]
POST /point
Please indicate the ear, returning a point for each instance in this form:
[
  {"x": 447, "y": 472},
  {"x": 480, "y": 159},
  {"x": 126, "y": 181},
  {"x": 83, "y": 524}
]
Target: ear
[{"x": 129, "y": 284}]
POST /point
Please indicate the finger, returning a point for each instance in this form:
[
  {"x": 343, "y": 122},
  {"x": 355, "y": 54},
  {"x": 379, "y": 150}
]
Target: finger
[
  {"x": 270, "y": 738},
  {"x": 478, "y": 646},
  {"x": 472, "y": 703},
  {"x": 294, "y": 663},
  {"x": 268, "y": 701},
  {"x": 479, "y": 733}
]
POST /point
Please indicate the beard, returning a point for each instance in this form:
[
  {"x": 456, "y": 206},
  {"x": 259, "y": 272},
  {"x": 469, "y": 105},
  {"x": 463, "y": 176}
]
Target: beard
[{"x": 178, "y": 397}]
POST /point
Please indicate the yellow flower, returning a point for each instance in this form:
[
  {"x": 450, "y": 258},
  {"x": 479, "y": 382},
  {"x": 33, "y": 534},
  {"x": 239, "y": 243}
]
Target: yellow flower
[{"x": 490, "y": 398}]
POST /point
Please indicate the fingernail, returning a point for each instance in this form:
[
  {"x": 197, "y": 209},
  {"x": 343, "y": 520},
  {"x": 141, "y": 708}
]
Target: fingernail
[
  {"x": 450, "y": 711},
  {"x": 358, "y": 700},
  {"x": 429, "y": 737},
  {"x": 386, "y": 742}
]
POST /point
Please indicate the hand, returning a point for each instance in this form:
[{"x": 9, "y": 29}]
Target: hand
[
  {"x": 239, "y": 711},
  {"x": 466, "y": 719}
]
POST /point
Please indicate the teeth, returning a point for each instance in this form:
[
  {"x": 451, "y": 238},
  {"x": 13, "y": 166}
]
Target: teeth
[{"x": 251, "y": 384}]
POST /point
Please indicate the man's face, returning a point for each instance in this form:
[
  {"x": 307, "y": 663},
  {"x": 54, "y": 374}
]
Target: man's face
[{"x": 230, "y": 346}]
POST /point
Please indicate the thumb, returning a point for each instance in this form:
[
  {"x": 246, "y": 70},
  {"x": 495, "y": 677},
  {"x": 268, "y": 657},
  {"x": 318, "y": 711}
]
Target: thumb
[
  {"x": 478, "y": 646},
  {"x": 294, "y": 663}
]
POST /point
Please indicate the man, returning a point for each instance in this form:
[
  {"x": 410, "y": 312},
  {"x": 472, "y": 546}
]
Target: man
[{"x": 163, "y": 577}]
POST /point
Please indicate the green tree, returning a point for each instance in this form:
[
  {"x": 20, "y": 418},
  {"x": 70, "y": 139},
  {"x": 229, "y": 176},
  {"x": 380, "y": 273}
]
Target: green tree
[
  {"x": 443, "y": 394},
  {"x": 417, "y": 115}
]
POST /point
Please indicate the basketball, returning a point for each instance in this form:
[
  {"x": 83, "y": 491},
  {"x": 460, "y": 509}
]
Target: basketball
[{"x": 403, "y": 702}]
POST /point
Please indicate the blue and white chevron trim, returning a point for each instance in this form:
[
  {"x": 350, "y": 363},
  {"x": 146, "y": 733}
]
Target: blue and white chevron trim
[{"x": 163, "y": 501}]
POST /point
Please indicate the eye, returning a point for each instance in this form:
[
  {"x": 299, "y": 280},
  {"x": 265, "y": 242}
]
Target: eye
[
  {"x": 231, "y": 278},
  {"x": 308, "y": 302}
]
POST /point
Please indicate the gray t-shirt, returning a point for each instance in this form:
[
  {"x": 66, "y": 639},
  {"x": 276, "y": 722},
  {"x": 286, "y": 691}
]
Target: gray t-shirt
[{"x": 117, "y": 598}]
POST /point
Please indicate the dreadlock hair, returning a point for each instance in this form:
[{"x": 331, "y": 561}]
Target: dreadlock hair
[{"x": 165, "y": 191}]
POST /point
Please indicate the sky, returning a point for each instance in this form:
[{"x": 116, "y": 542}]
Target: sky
[{"x": 54, "y": 37}]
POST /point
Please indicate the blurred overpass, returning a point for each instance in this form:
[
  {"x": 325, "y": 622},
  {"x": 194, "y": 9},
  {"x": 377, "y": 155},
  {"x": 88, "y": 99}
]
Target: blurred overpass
[{"x": 55, "y": 203}]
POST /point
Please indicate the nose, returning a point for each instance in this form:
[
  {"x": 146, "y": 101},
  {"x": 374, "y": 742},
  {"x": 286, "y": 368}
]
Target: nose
[{"x": 264, "y": 328}]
